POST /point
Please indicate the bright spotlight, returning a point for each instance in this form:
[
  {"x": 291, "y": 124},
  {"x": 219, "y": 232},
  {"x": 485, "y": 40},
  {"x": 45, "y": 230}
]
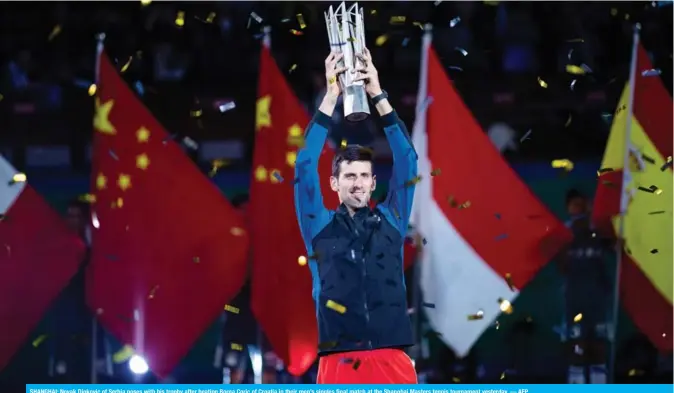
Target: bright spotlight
[{"x": 138, "y": 365}]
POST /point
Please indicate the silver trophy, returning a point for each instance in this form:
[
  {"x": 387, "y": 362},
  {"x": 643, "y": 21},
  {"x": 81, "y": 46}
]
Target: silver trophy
[{"x": 346, "y": 33}]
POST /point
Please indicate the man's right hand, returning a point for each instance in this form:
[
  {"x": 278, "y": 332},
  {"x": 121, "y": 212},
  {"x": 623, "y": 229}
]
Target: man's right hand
[{"x": 332, "y": 72}]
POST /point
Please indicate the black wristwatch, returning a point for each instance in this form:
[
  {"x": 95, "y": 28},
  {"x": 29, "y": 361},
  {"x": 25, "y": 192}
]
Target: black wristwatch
[{"x": 375, "y": 100}]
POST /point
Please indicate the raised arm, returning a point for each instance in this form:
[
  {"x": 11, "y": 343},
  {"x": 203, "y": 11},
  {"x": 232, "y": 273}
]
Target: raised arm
[
  {"x": 311, "y": 213},
  {"x": 398, "y": 203}
]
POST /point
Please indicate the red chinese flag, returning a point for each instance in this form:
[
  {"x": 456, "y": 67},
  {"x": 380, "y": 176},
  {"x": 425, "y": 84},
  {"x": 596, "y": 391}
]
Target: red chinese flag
[
  {"x": 38, "y": 257},
  {"x": 169, "y": 251},
  {"x": 281, "y": 287}
]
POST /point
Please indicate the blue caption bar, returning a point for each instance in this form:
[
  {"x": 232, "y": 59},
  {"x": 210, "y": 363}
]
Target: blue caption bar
[{"x": 347, "y": 388}]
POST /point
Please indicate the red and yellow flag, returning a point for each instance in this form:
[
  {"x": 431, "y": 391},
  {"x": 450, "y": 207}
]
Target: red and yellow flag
[
  {"x": 646, "y": 277},
  {"x": 281, "y": 286},
  {"x": 168, "y": 250}
]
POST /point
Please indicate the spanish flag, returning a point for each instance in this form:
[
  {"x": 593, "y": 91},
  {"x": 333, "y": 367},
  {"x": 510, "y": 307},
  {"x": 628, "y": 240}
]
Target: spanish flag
[{"x": 646, "y": 275}]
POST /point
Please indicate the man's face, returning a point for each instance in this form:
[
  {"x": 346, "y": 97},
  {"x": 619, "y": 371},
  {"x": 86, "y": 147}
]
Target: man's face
[
  {"x": 355, "y": 183},
  {"x": 75, "y": 219},
  {"x": 577, "y": 206}
]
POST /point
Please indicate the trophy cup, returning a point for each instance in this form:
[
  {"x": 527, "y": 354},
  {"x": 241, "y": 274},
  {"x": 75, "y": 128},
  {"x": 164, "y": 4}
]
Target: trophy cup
[{"x": 346, "y": 33}]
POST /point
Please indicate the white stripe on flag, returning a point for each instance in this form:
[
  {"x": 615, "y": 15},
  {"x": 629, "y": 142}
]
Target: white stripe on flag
[{"x": 9, "y": 190}]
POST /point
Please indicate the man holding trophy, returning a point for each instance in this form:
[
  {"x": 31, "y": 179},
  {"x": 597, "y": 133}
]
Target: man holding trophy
[{"x": 355, "y": 251}]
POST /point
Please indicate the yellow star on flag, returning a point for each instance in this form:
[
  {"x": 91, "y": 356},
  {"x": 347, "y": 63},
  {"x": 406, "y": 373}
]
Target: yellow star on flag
[
  {"x": 124, "y": 181},
  {"x": 262, "y": 115},
  {"x": 101, "y": 118},
  {"x": 260, "y": 173},
  {"x": 142, "y": 135},
  {"x": 101, "y": 181},
  {"x": 291, "y": 157},
  {"x": 142, "y": 161}
]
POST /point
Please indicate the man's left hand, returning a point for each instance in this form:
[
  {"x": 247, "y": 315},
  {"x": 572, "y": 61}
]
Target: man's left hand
[{"x": 368, "y": 73}]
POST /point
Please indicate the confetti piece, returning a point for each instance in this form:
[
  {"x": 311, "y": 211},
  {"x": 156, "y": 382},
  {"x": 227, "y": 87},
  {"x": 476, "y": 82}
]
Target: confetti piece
[
  {"x": 437, "y": 2},
  {"x": 180, "y": 19},
  {"x": 236, "y": 231},
  {"x": 578, "y": 318},
  {"x": 255, "y": 16},
  {"x": 509, "y": 281},
  {"x": 55, "y": 32},
  {"x": 604, "y": 170},
  {"x": 505, "y": 306},
  {"x": 343, "y": 144},
  {"x": 153, "y": 292},
  {"x": 635, "y": 373},
  {"x": 651, "y": 72},
  {"x": 651, "y": 190},
  {"x": 568, "y": 120},
  {"x": 211, "y": 17},
  {"x": 573, "y": 84},
  {"x": 196, "y": 113},
  {"x": 327, "y": 345},
  {"x": 190, "y": 143},
  {"x": 18, "y": 178},
  {"x": 654, "y": 251},
  {"x": 277, "y": 175},
  {"x": 418, "y": 24},
  {"x": 39, "y": 340},
  {"x": 227, "y": 107},
  {"x": 526, "y": 136},
  {"x": 542, "y": 83},
  {"x": 412, "y": 181},
  {"x": 216, "y": 165},
  {"x": 648, "y": 159},
  {"x": 300, "y": 20},
  {"x": 145, "y": 2},
  {"x": 302, "y": 260},
  {"x": 296, "y": 32},
  {"x": 196, "y": 259},
  {"x": 406, "y": 41},
  {"x": 397, "y": 19},
  {"x": 503, "y": 375},
  {"x": 381, "y": 40},
  {"x": 292, "y": 68},
  {"x": 428, "y": 305},
  {"x": 462, "y": 51},
  {"x": 232, "y": 309},
  {"x": 126, "y": 65},
  {"x": 331, "y": 304},
  {"x": 92, "y": 90},
  {"x": 667, "y": 164},
  {"x": 574, "y": 69},
  {"x": 657, "y": 212},
  {"x": 464, "y": 205},
  {"x": 454, "y": 21},
  {"x": 123, "y": 354},
  {"x": 436, "y": 172},
  {"x": 356, "y": 364},
  {"x": 497, "y": 325},
  {"x": 477, "y": 316},
  {"x": 236, "y": 347},
  {"x": 563, "y": 163}
]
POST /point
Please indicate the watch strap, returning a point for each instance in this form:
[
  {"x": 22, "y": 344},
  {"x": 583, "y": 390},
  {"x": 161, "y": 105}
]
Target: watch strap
[{"x": 382, "y": 96}]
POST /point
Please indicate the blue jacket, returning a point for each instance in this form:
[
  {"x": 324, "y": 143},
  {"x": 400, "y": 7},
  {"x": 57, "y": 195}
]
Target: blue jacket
[{"x": 357, "y": 263}]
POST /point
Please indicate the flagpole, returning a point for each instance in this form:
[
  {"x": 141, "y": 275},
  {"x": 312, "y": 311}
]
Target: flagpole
[
  {"x": 94, "y": 322},
  {"x": 624, "y": 200},
  {"x": 420, "y": 111}
]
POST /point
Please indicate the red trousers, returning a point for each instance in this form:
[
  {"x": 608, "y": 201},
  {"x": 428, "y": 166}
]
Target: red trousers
[{"x": 378, "y": 366}]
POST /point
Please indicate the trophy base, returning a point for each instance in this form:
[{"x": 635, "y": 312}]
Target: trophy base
[{"x": 356, "y": 107}]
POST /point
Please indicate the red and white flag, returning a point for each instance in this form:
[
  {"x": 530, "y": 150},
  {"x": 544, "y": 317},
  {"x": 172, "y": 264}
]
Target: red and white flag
[
  {"x": 38, "y": 257},
  {"x": 486, "y": 233}
]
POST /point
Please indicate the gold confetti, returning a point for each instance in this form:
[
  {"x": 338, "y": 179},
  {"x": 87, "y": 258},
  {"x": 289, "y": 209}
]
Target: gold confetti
[
  {"x": 331, "y": 304},
  {"x": 126, "y": 65},
  {"x": 505, "y": 306},
  {"x": 153, "y": 292},
  {"x": 92, "y": 90},
  {"x": 293, "y": 68},
  {"x": 503, "y": 375},
  {"x": 343, "y": 144},
  {"x": 563, "y": 163},
  {"x": 55, "y": 31},
  {"x": 18, "y": 178},
  {"x": 435, "y": 172},
  {"x": 236, "y": 347},
  {"x": 296, "y": 32},
  {"x": 300, "y": 20},
  {"x": 413, "y": 181},
  {"x": 578, "y": 318},
  {"x": 236, "y": 231},
  {"x": 509, "y": 280},
  {"x": 196, "y": 259},
  {"x": 302, "y": 260},
  {"x": 123, "y": 354},
  {"x": 398, "y": 19},
  {"x": 464, "y": 205},
  {"x": 180, "y": 19},
  {"x": 418, "y": 24},
  {"x": 477, "y": 316},
  {"x": 145, "y": 2},
  {"x": 232, "y": 309},
  {"x": 604, "y": 170},
  {"x": 635, "y": 373},
  {"x": 216, "y": 165},
  {"x": 542, "y": 83},
  {"x": 197, "y": 113},
  {"x": 211, "y": 17},
  {"x": 39, "y": 340},
  {"x": 381, "y": 40},
  {"x": 574, "y": 69}
]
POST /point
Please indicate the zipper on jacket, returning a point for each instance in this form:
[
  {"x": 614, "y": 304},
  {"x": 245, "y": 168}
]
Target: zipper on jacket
[{"x": 367, "y": 310}]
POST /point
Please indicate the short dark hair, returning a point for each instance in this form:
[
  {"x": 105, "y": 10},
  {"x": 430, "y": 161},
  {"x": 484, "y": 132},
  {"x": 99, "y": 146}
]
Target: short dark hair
[
  {"x": 351, "y": 153},
  {"x": 573, "y": 194}
]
